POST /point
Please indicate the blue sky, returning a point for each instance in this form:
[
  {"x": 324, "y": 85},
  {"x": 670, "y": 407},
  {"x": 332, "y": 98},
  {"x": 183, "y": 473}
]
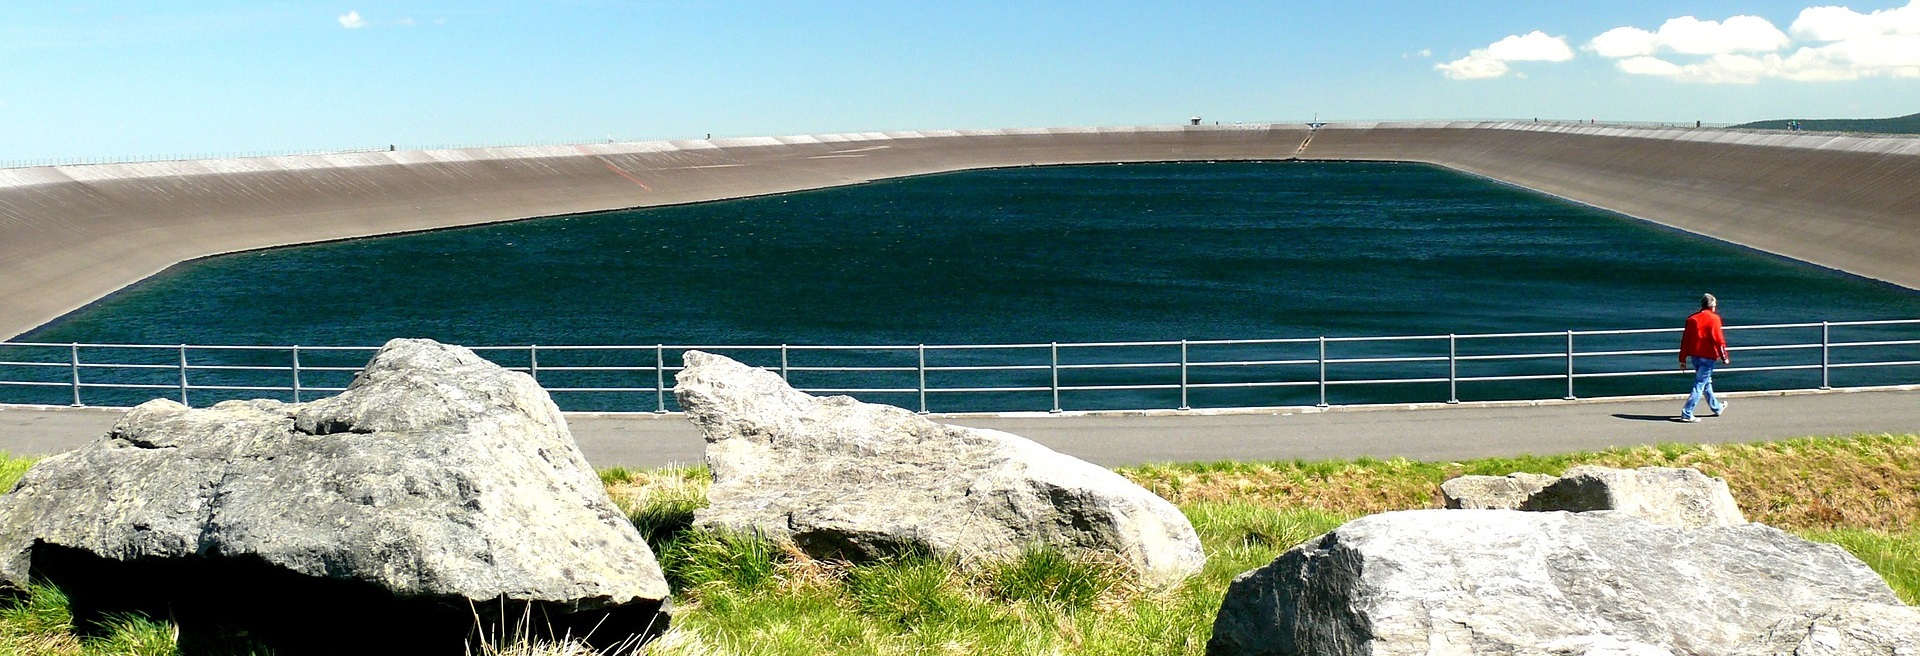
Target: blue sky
[{"x": 141, "y": 78}]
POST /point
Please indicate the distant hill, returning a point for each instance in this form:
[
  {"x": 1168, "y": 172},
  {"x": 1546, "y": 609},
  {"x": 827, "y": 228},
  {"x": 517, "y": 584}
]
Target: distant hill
[{"x": 1909, "y": 124}]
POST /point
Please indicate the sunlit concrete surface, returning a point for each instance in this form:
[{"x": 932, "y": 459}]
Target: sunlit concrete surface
[
  {"x": 1433, "y": 432},
  {"x": 72, "y": 234}
]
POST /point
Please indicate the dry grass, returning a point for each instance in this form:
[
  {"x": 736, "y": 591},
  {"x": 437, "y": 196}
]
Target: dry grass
[{"x": 1862, "y": 482}]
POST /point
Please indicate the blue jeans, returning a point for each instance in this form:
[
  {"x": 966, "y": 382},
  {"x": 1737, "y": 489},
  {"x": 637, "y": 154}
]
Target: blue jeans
[{"x": 1702, "y": 384}]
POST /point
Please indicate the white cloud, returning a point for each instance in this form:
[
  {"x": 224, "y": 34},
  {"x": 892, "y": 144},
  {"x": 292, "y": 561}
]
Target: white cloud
[
  {"x": 1691, "y": 36},
  {"x": 1649, "y": 66},
  {"x": 1532, "y": 46},
  {"x": 1838, "y": 44},
  {"x": 1425, "y": 52},
  {"x": 352, "y": 20},
  {"x": 1491, "y": 61},
  {"x": 1625, "y": 42},
  {"x": 1843, "y": 24}
]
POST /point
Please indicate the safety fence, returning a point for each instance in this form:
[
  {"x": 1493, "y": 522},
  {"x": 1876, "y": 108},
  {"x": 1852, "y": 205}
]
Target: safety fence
[{"x": 1040, "y": 376}]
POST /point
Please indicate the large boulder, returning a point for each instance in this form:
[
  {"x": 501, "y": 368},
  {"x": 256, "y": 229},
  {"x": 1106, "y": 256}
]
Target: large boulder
[
  {"x": 1459, "y": 582},
  {"x": 1492, "y": 492},
  {"x": 439, "y": 489},
  {"x": 1669, "y": 495},
  {"x": 849, "y": 480}
]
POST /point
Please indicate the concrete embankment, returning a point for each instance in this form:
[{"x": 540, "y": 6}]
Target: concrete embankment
[
  {"x": 1845, "y": 202},
  {"x": 69, "y": 235}
]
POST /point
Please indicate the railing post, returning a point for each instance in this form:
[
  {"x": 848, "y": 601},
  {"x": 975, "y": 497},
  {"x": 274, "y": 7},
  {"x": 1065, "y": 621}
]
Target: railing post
[
  {"x": 923, "y": 379},
  {"x": 1323, "y": 371},
  {"x": 1824, "y": 343},
  {"x": 74, "y": 366},
  {"x": 660, "y": 378},
  {"x": 1054, "y": 349},
  {"x": 1183, "y": 376},
  {"x": 183, "y": 374},
  {"x": 1453, "y": 369},
  {"x": 1569, "y": 395},
  {"x": 533, "y": 361},
  {"x": 296, "y": 373},
  {"x": 783, "y": 362}
]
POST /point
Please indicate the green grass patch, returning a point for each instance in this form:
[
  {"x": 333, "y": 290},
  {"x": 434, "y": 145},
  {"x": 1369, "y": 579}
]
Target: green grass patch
[
  {"x": 1894, "y": 554},
  {"x": 741, "y": 594},
  {"x": 12, "y": 468}
]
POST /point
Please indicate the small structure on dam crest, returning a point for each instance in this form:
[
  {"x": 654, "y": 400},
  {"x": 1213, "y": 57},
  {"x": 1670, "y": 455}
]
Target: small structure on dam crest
[
  {"x": 437, "y": 490},
  {"x": 843, "y": 479}
]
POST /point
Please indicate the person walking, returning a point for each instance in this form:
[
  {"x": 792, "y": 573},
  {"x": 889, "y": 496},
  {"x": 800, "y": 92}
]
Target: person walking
[{"x": 1703, "y": 345}]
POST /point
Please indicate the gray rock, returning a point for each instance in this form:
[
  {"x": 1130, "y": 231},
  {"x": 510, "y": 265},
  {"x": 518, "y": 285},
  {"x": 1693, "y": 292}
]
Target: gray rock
[
  {"x": 438, "y": 480},
  {"x": 1442, "y": 582},
  {"x": 843, "y": 479},
  {"x": 1675, "y": 496},
  {"x": 1492, "y": 492}
]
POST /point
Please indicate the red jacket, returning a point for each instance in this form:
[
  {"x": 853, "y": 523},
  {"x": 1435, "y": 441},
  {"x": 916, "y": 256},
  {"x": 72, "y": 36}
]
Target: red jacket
[{"x": 1702, "y": 338}]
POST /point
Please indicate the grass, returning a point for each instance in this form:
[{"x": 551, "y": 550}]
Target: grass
[{"x": 740, "y": 594}]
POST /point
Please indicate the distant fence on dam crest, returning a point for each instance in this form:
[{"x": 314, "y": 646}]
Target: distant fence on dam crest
[{"x": 1122, "y": 375}]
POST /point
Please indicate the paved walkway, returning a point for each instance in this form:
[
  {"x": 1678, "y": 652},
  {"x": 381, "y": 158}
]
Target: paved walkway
[{"x": 1421, "y": 433}]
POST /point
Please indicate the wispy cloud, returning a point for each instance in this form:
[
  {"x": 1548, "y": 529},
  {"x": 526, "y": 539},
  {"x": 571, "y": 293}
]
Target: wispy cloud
[
  {"x": 352, "y": 20},
  {"x": 1491, "y": 61}
]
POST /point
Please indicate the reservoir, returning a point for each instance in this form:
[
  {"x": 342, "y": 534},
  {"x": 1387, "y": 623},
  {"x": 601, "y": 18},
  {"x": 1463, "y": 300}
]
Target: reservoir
[{"x": 1034, "y": 255}]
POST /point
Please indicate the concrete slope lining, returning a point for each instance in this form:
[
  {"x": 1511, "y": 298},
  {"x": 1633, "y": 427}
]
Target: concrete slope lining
[{"x": 70, "y": 235}]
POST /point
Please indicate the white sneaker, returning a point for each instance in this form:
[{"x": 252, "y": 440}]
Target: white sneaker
[
  {"x": 1688, "y": 420},
  {"x": 1722, "y": 412}
]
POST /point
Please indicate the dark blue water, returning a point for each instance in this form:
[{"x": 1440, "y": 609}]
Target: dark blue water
[{"x": 1088, "y": 253}]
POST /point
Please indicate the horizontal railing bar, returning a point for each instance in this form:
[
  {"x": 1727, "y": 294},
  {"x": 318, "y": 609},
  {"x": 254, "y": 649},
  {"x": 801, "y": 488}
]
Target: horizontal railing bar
[
  {"x": 1560, "y": 333},
  {"x": 600, "y": 389},
  {"x": 62, "y": 365},
  {"x": 951, "y": 347},
  {"x": 1117, "y": 344},
  {"x": 126, "y": 385},
  {"x": 248, "y": 388},
  {"x": 1386, "y": 381},
  {"x": 948, "y": 390},
  {"x": 230, "y": 367},
  {"x": 1226, "y": 342},
  {"x": 1771, "y": 326},
  {"x": 991, "y": 367},
  {"x": 29, "y": 383},
  {"x": 1468, "y": 379},
  {"x": 1419, "y": 358},
  {"x": 1287, "y": 383},
  {"x": 1633, "y": 331},
  {"x": 1096, "y": 388},
  {"x": 1395, "y": 338},
  {"x": 90, "y": 365},
  {"x": 1889, "y": 342},
  {"x": 559, "y": 368},
  {"x": 1621, "y": 374},
  {"x": 799, "y": 368},
  {"x": 1876, "y": 322},
  {"x": 1249, "y": 363},
  {"x": 1514, "y": 356},
  {"x": 1122, "y": 365},
  {"x": 1896, "y": 363},
  {"x": 858, "y": 390}
]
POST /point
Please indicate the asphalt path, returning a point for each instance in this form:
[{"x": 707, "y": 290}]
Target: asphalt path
[{"x": 1439, "y": 432}]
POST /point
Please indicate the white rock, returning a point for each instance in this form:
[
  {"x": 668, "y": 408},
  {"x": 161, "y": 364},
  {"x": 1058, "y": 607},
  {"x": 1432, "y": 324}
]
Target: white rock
[{"x": 843, "y": 479}]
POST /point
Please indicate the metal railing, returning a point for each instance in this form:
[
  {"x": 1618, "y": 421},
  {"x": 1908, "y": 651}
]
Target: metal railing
[{"x": 1132, "y": 375}]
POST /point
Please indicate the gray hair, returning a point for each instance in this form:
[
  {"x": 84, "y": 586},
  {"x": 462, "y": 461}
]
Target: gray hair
[{"x": 1707, "y": 301}]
